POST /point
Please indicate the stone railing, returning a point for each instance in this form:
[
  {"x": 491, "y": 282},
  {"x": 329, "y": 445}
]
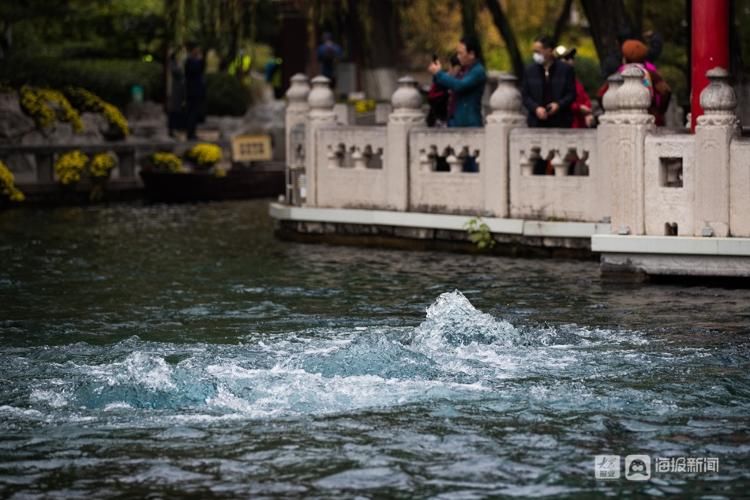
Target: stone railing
[
  {"x": 555, "y": 174},
  {"x": 669, "y": 185},
  {"x": 446, "y": 170},
  {"x": 41, "y": 171},
  {"x": 350, "y": 171},
  {"x": 643, "y": 180},
  {"x": 739, "y": 187}
]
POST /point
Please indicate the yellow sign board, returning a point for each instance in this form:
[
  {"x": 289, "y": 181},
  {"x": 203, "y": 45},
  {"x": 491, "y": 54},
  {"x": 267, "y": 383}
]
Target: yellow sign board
[{"x": 252, "y": 148}]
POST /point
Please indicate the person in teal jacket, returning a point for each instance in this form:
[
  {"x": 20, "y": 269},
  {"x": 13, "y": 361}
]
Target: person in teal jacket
[{"x": 467, "y": 87}]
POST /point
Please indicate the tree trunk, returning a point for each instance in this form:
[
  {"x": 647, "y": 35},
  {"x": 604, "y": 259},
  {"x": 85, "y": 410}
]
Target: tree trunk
[
  {"x": 506, "y": 31},
  {"x": 562, "y": 20},
  {"x": 607, "y": 19},
  {"x": 6, "y": 42},
  {"x": 469, "y": 17},
  {"x": 384, "y": 43},
  {"x": 355, "y": 43},
  {"x": 638, "y": 16}
]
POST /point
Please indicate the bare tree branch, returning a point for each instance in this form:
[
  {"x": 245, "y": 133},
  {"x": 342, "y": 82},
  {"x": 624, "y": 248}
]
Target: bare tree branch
[
  {"x": 607, "y": 19},
  {"x": 503, "y": 26},
  {"x": 562, "y": 20}
]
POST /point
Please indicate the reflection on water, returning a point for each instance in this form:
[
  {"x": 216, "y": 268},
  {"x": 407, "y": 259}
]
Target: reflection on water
[{"x": 181, "y": 349}]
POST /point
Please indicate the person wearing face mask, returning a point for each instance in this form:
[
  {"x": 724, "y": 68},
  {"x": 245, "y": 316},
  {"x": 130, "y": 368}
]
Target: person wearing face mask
[{"x": 548, "y": 88}]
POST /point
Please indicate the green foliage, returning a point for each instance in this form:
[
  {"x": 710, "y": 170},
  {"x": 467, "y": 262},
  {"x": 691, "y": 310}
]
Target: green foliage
[
  {"x": 675, "y": 77},
  {"x": 588, "y": 72},
  {"x": 226, "y": 95},
  {"x": 110, "y": 79},
  {"x": 479, "y": 233}
]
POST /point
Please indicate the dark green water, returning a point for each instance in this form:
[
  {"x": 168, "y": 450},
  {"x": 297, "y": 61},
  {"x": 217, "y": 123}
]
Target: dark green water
[{"x": 161, "y": 351}]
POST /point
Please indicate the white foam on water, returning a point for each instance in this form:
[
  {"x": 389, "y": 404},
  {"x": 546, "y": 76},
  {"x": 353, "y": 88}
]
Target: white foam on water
[
  {"x": 282, "y": 391},
  {"x": 54, "y": 398},
  {"x": 458, "y": 352},
  {"x": 120, "y": 405},
  {"x": 20, "y": 412},
  {"x": 144, "y": 369}
]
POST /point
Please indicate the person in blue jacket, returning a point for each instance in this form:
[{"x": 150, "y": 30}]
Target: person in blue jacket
[{"x": 467, "y": 87}]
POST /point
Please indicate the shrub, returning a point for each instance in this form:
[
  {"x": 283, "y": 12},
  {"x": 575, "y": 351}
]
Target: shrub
[
  {"x": 64, "y": 111},
  {"x": 226, "y": 95},
  {"x": 69, "y": 166},
  {"x": 37, "y": 108},
  {"x": 111, "y": 79},
  {"x": 88, "y": 101},
  {"x": 479, "y": 233},
  {"x": 589, "y": 73},
  {"x": 47, "y": 105},
  {"x": 7, "y": 184}
]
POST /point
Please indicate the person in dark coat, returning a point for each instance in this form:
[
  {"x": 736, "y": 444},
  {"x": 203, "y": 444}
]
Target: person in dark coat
[
  {"x": 176, "y": 101},
  {"x": 195, "y": 89},
  {"x": 329, "y": 53},
  {"x": 549, "y": 88}
]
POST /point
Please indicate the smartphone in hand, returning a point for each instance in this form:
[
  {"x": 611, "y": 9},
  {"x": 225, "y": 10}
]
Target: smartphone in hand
[{"x": 435, "y": 58}]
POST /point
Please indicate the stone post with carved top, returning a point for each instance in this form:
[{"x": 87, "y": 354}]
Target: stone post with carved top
[
  {"x": 713, "y": 136},
  {"x": 295, "y": 127},
  {"x": 506, "y": 114},
  {"x": 622, "y": 145},
  {"x": 606, "y": 141},
  {"x": 321, "y": 114},
  {"x": 407, "y": 114}
]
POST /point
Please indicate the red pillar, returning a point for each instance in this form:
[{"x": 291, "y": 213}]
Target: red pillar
[{"x": 710, "y": 45}]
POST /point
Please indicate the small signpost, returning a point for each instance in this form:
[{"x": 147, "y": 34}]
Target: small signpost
[{"x": 250, "y": 148}]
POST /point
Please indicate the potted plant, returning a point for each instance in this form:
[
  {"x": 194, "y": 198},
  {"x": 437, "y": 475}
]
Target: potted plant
[
  {"x": 70, "y": 166},
  {"x": 164, "y": 162},
  {"x": 204, "y": 156},
  {"x": 100, "y": 167}
]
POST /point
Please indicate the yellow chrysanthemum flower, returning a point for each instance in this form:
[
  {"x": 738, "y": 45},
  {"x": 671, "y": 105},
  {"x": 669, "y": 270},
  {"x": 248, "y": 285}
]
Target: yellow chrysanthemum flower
[
  {"x": 88, "y": 101},
  {"x": 7, "y": 184},
  {"x": 167, "y": 161},
  {"x": 65, "y": 112},
  {"x": 69, "y": 166},
  {"x": 101, "y": 164},
  {"x": 205, "y": 154}
]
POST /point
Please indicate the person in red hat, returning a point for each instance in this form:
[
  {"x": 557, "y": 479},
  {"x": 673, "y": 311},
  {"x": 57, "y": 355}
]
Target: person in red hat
[{"x": 635, "y": 53}]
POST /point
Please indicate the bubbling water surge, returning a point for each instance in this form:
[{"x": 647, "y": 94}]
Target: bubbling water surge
[{"x": 457, "y": 353}]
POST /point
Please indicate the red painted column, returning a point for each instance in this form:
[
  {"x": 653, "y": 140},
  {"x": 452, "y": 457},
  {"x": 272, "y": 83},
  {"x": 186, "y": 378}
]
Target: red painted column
[{"x": 710, "y": 46}]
